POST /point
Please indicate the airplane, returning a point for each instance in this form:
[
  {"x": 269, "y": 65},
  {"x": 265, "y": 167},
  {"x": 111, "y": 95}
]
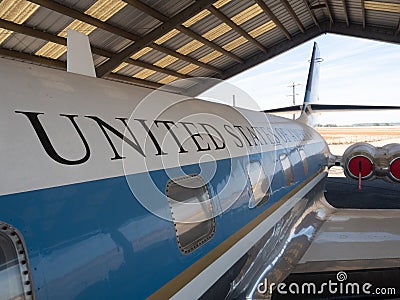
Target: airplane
[{"x": 109, "y": 193}]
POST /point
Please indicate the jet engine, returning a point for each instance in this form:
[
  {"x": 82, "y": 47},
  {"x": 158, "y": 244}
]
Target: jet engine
[
  {"x": 393, "y": 154},
  {"x": 369, "y": 162},
  {"x": 358, "y": 160}
]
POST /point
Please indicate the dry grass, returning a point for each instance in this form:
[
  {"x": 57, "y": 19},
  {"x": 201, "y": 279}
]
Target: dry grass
[{"x": 349, "y": 135}]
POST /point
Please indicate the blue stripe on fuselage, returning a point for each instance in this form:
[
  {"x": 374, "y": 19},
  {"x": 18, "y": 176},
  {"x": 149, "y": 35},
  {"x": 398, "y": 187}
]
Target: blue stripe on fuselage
[{"x": 95, "y": 240}]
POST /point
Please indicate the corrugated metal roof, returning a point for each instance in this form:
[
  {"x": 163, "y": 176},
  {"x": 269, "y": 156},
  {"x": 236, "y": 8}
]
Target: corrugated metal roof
[
  {"x": 129, "y": 70},
  {"x": 337, "y": 11},
  {"x": 385, "y": 19},
  {"x": 354, "y": 11},
  {"x": 175, "y": 50},
  {"x": 177, "y": 41},
  {"x": 156, "y": 77},
  {"x": 77, "y": 4},
  {"x": 22, "y": 43},
  {"x": 169, "y": 8},
  {"x": 48, "y": 20},
  {"x": 108, "y": 41},
  {"x": 97, "y": 59},
  {"x": 133, "y": 20}
]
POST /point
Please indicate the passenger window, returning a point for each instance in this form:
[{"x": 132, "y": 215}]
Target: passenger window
[
  {"x": 191, "y": 211},
  {"x": 287, "y": 168},
  {"x": 14, "y": 276},
  {"x": 304, "y": 159},
  {"x": 259, "y": 184}
]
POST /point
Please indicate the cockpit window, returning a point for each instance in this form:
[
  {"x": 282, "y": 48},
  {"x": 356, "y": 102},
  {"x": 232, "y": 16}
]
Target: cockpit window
[
  {"x": 259, "y": 184},
  {"x": 14, "y": 275},
  {"x": 191, "y": 210},
  {"x": 287, "y": 168}
]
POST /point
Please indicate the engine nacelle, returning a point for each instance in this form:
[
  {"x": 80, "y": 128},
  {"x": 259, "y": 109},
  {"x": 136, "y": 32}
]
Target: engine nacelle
[
  {"x": 393, "y": 158},
  {"x": 359, "y": 159},
  {"x": 372, "y": 162}
]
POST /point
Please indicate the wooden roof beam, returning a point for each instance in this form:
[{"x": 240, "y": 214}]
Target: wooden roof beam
[
  {"x": 54, "y": 63},
  {"x": 149, "y": 38},
  {"x": 363, "y": 13},
  {"x": 313, "y": 17},
  {"x": 293, "y": 15},
  {"x": 23, "y": 29},
  {"x": 236, "y": 28},
  {"x": 328, "y": 10},
  {"x": 272, "y": 16},
  {"x": 346, "y": 14},
  {"x": 163, "y": 18},
  {"x": 64, "y": 10}
]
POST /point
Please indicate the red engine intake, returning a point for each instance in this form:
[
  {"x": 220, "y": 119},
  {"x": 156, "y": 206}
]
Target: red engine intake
[
  {"x": 372, "y": 162},
  {"x": 393, "y": 162},
  {"x": 358, "y": 160},
  {"x": 394, "y": 169},
  {"x": 360, "y": 164}
]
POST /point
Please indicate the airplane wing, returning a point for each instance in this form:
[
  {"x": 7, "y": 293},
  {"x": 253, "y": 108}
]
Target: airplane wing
[
  {"x": 330, "y": 108},
  {"x": 354, "y": 239},
  {"x": 357, "y": 249},
  {"x": 358, "y": 244}
]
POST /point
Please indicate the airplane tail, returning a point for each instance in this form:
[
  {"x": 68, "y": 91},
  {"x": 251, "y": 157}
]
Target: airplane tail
[
  {"x": 312, "y": 89},
  {"x": 309, "y": 108},
  {"x": 311, "y": 94}
]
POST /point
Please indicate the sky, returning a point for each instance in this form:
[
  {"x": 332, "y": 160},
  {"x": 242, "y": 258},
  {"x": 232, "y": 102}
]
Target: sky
[{"x": 353, "y": 71}]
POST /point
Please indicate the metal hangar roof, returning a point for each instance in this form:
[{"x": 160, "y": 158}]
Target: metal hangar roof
[{"x": 155, "y": 42}]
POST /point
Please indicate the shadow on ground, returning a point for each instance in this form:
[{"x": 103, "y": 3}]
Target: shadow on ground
[{"x": 343, "y": 193}]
